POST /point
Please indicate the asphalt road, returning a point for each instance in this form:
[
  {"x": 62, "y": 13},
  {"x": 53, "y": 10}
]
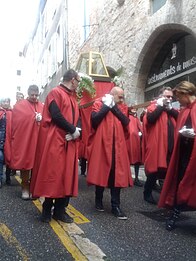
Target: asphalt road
[{"x": 101, "y": 236}]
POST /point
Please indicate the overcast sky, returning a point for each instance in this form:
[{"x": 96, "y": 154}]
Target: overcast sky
[{"x": 16, "y": 24}]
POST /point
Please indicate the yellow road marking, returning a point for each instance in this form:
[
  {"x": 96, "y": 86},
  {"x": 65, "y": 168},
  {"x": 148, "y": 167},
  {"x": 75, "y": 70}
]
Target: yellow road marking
[
  {"x": 67, "y": 241},
  {"x": 61, "y": 229},
  {"x": 75, "y": 214},
  {"x": 10, "y": 239},
  {"x": 78, "y": 217}
]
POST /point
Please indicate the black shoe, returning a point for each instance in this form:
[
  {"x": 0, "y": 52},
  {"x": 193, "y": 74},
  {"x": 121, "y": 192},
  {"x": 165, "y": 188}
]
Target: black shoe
[
  {"x": 13, "y": 172},
  {"x": 99, "y": 207},
  {"x": 117, "y": 212},
  {"x": 8, "y": 182},
  {"x": 63, "y": 217},
  {"x": 1, "y": 183},
  {"x": 150, "y": 199},
  {"x": 170, "y": 224},
  {"x": 171, "y": 221},
  {"x": 45, "y": 219},
  {"x": 137, "y": 183},
  {"x": 46, "y": 210},
  {"x": 157, "y": 188},
  {"x": 46, "y": 216}
]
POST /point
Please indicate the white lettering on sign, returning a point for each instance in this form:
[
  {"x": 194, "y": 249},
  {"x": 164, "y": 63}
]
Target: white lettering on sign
[
  {"x": 189, "y": 63},
  {"x": 172, "y": 70}
]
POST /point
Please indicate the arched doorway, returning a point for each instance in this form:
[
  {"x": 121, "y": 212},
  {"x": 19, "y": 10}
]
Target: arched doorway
[
  {"x": 175, "y": 62},
  {"x": 169, "y": 56}
]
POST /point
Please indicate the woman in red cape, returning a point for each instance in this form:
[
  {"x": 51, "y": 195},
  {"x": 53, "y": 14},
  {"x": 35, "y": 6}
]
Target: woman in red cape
[{"x": 179, "y": 190}]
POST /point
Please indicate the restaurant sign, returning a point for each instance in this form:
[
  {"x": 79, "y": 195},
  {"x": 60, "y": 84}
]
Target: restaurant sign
[{"x": 180, "y": 56}]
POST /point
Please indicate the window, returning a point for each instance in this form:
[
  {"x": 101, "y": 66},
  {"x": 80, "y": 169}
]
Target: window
[
  {"x": 18, "y": 72},
  {"x": 157, "y": 4}
]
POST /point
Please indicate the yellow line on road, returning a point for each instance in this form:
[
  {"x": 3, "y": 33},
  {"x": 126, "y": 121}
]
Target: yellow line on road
[
  {"x": 64, "y": 237},
  {"x": 67, "y": 241},
  {"x": 10, "y": 239},
  {"x": 75, "y": 214},
  {"x": 61, "y": 230}
]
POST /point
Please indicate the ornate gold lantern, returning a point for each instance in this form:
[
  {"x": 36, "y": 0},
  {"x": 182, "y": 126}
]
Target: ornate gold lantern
[{"x": 92, "y": 64}]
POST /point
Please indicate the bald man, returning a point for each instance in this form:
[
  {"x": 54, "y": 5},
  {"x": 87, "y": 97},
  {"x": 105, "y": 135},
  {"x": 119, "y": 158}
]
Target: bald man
[{"x": 108, "y": 161}]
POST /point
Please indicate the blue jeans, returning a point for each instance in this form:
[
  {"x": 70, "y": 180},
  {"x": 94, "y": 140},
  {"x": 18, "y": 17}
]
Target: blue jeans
[{"x": 1, "y": 164}]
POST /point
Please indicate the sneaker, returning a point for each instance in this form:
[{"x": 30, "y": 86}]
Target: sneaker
[
  {"x": 137, "y": 183},
  {"x": 150, "y": 199},
  {"x": 99, "y": 207},
  {"x": 64, "y": 218},
  {"x": 25, "y": 194},
  {"x": 117, "y": 212}
]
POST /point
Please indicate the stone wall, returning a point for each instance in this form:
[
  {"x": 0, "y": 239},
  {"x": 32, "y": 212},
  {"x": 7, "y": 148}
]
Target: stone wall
[{"x": 130, "y": 36}]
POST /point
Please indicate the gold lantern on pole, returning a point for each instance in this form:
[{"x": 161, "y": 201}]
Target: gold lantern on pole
[{"x": 92, "y": 64}]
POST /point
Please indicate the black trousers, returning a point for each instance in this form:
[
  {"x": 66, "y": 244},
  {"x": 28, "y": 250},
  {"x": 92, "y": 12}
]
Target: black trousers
[
  {"x": 83, "y": 165},
  {"x": 150, "y": 184},
  {"x": 59, "y": 203},
  {"x": 115, "y": 195}
]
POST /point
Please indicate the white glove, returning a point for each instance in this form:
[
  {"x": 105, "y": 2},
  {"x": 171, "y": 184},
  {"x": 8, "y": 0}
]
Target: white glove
[
  {"x": 108, "y": 100},
  {"x": 139, "y": 133},
  {"x": 68, "y": 137},
  {"x": 188, "y": 133},
  {"x": 38, "y": 116},
  {"x": 113, "y": 103},
  {"x": 168, "y": 106},
  {"x": 160, "y": 101},
  {"x": 76, "y": 134}
]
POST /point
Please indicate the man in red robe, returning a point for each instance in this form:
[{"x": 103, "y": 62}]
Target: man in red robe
[
  {"x": 108, "y": 161},
  {"x": 158, "y": 139},
  {"x": 55, "y": 172},
  {"x": 179, "y": 189},
  {"x": 26, "y": 117},
  {"x": 135, "y": 144}
]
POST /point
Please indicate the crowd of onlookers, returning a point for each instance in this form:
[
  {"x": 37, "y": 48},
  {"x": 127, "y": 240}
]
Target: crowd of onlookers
[{"x": 43, "y": 141}]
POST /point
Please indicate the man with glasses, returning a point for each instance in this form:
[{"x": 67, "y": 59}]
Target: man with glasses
[
  {"x": 55, "y": 172},
  {"x": 158, "y": 139}
]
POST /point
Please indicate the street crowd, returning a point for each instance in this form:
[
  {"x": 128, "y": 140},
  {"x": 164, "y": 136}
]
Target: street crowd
[{"x": 46, "y": 141}]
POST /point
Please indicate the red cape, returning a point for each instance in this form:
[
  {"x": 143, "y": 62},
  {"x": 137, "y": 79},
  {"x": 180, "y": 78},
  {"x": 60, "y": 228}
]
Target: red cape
[
  {"x": 55, "y": 172},
  {"x": 184, "y": 192},
  {"x": 85, "y": 114},
  {"x": 24, "y": 133},
  {"x": 155, "y": 141},
  {"x": 134, "y": 141},
  {"x": 100, "y": 151}
]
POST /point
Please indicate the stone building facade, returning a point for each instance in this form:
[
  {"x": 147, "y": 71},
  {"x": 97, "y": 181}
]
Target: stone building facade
[{"x": 154, "y": 41}]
